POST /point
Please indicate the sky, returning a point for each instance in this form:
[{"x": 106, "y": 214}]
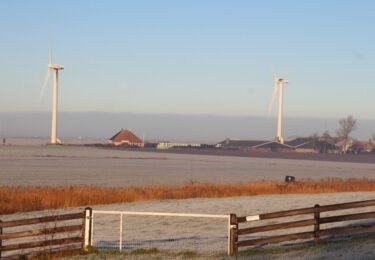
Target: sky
[{"x": 198, "y": 57}]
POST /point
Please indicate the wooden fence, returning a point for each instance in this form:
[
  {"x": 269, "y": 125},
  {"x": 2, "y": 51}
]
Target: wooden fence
[
  {"x": 77, "y": 237},
  {"x": 55, "y": 236},
  {"x": 314, "y": 222}
]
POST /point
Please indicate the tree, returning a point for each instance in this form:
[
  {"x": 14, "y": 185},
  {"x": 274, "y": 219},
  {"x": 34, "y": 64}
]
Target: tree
[{"x": 347, "y": 125}]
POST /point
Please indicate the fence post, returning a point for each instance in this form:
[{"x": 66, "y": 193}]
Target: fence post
[
  {"x": 87, "y": 228},
  {"x": 1, "y": 241},
  {"x": 120, "y": 240},
  {"x": 317, "y": 220},
  {"x": 233, "y": 234}
]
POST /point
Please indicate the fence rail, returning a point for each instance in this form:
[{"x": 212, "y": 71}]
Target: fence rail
[
  {"x": 23, "y": 222},
  {"x": 27, "y": 234},
  {"x": 45, "y": 239},
  {"x": 315, "y": 223}
]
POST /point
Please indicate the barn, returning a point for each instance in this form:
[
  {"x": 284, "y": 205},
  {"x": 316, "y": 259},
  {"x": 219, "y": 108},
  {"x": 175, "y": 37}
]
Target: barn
[{"x": 126, "y": 138}]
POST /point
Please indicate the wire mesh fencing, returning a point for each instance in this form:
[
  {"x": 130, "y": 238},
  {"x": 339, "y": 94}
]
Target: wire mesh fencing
[{"x": 128, "y": 231}]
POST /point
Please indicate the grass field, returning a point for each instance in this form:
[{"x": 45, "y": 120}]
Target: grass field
[
  {"x": 24, "y": 199},
  {"x": 346, "y": 248}
]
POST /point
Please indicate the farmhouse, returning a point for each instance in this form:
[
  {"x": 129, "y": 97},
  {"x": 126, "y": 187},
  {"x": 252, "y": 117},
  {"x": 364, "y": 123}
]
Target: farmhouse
[
  {"x": 273, "y": 146},
  {"x": 313, "y": 145},
  {"x": 362, "y": 147},
  {"x": 255, "y": 145},
  {"x": 297, "y": 145},
  {"x": 126, "y": 138}
]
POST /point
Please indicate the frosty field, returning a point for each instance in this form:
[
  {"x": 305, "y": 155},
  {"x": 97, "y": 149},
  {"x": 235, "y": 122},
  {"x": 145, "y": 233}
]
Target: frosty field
[{"x": 77, "y": 165}]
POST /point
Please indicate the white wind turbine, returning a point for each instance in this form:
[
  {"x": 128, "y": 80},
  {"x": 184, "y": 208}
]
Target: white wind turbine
[
  {"x": 55, "y": 68},
  {"x": 278, "y": 87}
]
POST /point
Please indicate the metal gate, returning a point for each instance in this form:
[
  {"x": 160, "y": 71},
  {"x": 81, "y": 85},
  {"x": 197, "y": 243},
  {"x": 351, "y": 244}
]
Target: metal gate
[{"x": 129, "y": 230}]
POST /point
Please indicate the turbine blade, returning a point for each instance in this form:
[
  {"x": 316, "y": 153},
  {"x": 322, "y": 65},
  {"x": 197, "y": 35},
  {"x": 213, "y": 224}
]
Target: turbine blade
[
  {"x": 274, "y": 75},
  {"x": 45, "y": 83},
  {"x": 50, "y": 56},
  {"x": 275, "y": 89},
  {"x": 50, "y": 48},
  {"x": 285, "y": 75}
]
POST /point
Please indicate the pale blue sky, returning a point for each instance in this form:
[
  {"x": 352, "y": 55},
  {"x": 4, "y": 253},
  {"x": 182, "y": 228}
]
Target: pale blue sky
[{"x": 190, "y": 57}]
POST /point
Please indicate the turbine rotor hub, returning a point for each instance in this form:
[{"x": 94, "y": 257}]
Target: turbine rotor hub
[
  {"x": 281, "y": 80},
  {"x": 56, "y": 66}
]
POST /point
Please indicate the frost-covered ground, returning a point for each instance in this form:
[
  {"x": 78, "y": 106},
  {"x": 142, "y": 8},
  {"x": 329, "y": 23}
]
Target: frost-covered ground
[
  {"x": 204, "y": 236},
  {"x": 62, "y": 165},
  {"x": 67, "y": 165}
]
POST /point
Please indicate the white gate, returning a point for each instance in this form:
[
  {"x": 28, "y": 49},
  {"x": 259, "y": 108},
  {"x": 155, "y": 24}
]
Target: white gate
[{"x": 129, "y": 230}]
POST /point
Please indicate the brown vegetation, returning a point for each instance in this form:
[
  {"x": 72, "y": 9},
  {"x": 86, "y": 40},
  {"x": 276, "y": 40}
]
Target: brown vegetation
[{"x": 22, "y": 199}]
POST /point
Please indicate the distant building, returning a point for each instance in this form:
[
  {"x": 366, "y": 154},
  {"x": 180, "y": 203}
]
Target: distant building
[
  {"x": 313, "y": 145},
  {"x": 273, "y": 146},
  {"x": 362, "y": 147},
  {"x": 253, "y": 145},
  {"x": 168, "y": 145},
  {"x": 126, "y": 138},
  {"x": 296, "y": 145},
  {"x": 238, "y": 144}
]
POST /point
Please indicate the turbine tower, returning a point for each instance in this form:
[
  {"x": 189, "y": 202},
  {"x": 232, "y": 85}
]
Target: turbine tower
[
  {"x": 278, "y": 87},
  {"x": 55, "y": 68}
]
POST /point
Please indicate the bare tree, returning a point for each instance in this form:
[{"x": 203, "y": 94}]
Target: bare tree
[{"x": 347, "y": 125}]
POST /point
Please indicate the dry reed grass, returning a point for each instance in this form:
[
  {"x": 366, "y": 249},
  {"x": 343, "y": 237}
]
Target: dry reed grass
[{"x": 23, "y": 199}]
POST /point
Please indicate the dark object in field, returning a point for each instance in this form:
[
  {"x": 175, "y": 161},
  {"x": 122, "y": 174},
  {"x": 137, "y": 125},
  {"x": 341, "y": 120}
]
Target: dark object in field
[{"x": 290, "y": 178}]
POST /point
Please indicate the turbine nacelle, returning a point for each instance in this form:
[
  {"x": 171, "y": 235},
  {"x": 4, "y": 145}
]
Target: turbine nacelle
[
  {"x": 281, "y": 80},
  {"x": 56, "y": 66}
]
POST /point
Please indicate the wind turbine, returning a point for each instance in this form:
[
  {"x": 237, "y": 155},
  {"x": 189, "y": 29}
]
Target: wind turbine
[
  {"x": 278, "y": 87},
  {"x": 55, "y": 68}
]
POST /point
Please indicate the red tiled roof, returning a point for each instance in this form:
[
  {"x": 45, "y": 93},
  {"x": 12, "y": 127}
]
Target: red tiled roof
[
  {"x": 126, "y": 136},
  {"x": 365, "y": 144}
]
